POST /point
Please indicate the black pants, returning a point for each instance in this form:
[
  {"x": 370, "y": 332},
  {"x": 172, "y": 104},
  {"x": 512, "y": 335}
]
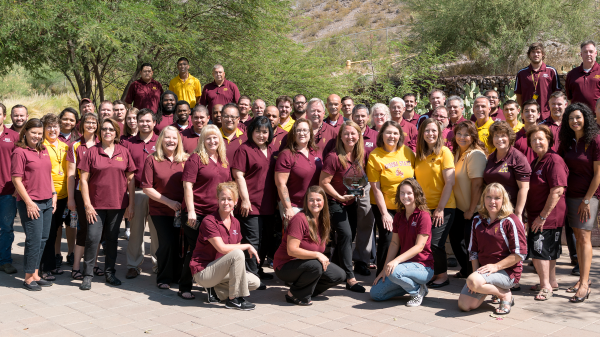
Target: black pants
[
  {"x": 571, "y": 241},
  {"x": 307, "y": 277},
  {"x": 168, "y": 256},
  {"x": 186, "y": 282},
  {"x": 252, "y": 228},
  {"x": 48, "y": 261},
  {"x": 460, "y": 234},
  {"x": 384, "y": 239},
  {"x": 108, "y": 221},
  {"x": 438, "y": 242},
  {"x": 343, "y": 225},
  {"x": 267, "y": 246}
]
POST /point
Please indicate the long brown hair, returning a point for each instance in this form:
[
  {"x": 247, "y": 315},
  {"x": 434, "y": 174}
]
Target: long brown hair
[
  {"x": 384, "y": 127},
  {"x": 291, "y": 137},
  {"x": 358, "y": 152},
  {"x": 423, "y": 149},
  {"x": 325, "y": 226},
  {"x": 476, "y": 143},
  {"x": 420, "y": 201},
  {"x": 32, "y": 123}
]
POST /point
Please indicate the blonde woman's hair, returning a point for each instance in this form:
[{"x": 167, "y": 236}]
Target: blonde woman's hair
[
  {"x": 359, "y": 149},
  {"x": 506, "y": 209},
  {"x": 230, "y": 186},
  {"x": 209, "y": 130},
  {"x": 179, "y": 156},
  {"x": 423, "y": 149}
]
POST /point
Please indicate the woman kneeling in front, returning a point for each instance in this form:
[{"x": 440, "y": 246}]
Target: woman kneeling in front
[
  {"x": 409, "y": 262},
  {"x": 218, "y": 260},
  {"x": 299, "y": 260},
  {"x": 498, "y": 245}
]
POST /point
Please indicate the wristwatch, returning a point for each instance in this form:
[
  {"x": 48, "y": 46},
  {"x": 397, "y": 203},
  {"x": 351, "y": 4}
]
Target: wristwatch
[
  {"x": 586, "y": 201},
  {"x": 541, "y": 217},
  {"x": 54, "y": 193}
]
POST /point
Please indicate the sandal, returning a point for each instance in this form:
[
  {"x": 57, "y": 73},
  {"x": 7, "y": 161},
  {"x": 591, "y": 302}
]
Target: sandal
[
  {"x": 505, "y": 306},
  {"x": 573, "y": 289},
  {"x": 163, "y": 286},
  {"x": 297, "y": 301},
  {"x": 576, "y": 299},
  {"x": 191, "y": 297},
  {"x": 538, "y": 287},
  {"x": 516, "y": 287},
  {"x": 76, "y": 275},
  {"x": 495, "y": 299},
  {"x": 98, "y": 271},
  {"x": 544, "y": 295},
  {"x": 48, "y": 276},
  {"x": 56, "y": 271}
]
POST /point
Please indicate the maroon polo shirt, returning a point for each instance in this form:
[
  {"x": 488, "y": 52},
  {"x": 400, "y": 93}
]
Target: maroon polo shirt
[
  {"x": 248, "y": 122},
  {"x": 144, "y": 95},
  {"x": 298, "y": 228},
  {"x": 583, "y": 87},
  {"x": 304, "y": 172},
  {"x": 139, "y": 151},
  {"x": 259, "y": 175},
  {"x": 419, "y": 222},
  {"x": 108, "y": 182},
  {"x": 8, "y": 139},
  {"x": 521, "y": 145},
  {"x": 333, "y": 167},
  {"x": 213, "y": 94},
  {"x": 550, "y": 172},
  {"x": 458, "y": 121},
  {"x": 189, "y": 139},
  {"x": 233, "y": 145},
  {"x": 337, "y": 124},
  {"x": 12, "y": 127},
  {"x": 370, "y": 140},
  {"x": 546, "y": 82},
  {"x": 35, "y": 170},
  {"x": 410, "y": 134},
  {"x": 69, "y": 139},
  {"x": 325, "y": 139},
  {"x": 580, "y": 160},
  {"x": 492, "y": 243},
  {"x": 165, "y": 121},
  {"x": 77, "y": 155},
  {"x": 165, "y": 177},
  {"x": 279, "y": 140},
  {"x": 414, "y": 120},
  {"x": 496, "y": 116},
  {"x": 507, "y": 171},
  {"x": 211, "y": 227},
  {"x": 180, "y": 129},
  {"x": 555, "y": 128},
  {"x": 447, "y": 135},
  {"x": 205, "y": 179}
]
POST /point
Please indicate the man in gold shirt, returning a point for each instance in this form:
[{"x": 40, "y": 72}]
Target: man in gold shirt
[{"x": 184, "y": 85}]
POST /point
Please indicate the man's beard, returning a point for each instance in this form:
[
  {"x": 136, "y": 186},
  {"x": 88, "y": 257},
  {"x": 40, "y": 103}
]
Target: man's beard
[{"x": 167, "y": 111}]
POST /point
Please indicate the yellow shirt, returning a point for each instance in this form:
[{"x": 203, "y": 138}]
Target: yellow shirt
[
  {"x": 288, "y": 126},
  {"x": 518, "y": 127},
  {"x": 58, "y": 158},
  {"x": 469, "y": 166},
  {"x": 186, "y": 90},
  {"x": 428, "y": 173},
  {"x": 238, "y": 133},
  {"x": 483, "y": 132},
  {"x": 389, "y": 169}
]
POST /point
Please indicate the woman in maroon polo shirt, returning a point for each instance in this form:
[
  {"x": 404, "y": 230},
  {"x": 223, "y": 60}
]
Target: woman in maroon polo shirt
[
  {"x": 206, "y": 167},
  {"x": 107, "y": 173},
  {"x": 497, "y": 248},
  {"x": 409, "y": 262},
  {"x": 380, "y": 116},
  {"x": 131, "y": 127},
  {"x": 252, "y": 169},
  {"x": 161, "y": 182},
  {"x": 31, "y": 172},
  {"x": 298, "y": 167},
  {"x": 546, "y": 215},
  {"x": 218, "y": 261},
  {"x": 299, "y": 260},
  {"x": 342, "y": 206},
  {"x": 88, "y": 128},
  {"x": 580, "y": 148}
]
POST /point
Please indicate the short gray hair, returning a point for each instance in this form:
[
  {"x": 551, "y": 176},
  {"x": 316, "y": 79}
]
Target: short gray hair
[
  {"x": 313, "y": 101},
  {"x": 399, "y": 100},
  {"x": 383, "y": 107},
  {"x": 218, "y": 66},
  {"x": 455, "y": 98}
]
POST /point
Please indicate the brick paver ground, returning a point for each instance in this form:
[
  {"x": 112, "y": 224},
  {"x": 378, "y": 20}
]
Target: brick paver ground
[{"x": 139, "y": 308}]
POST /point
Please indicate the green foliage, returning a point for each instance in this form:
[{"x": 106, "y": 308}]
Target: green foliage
[{"x": 496, "y": 32}]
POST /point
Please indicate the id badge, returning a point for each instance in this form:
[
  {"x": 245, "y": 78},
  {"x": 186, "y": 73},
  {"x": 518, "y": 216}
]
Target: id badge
[
  {"x": 535, "y": 96},
  {"x": 60, "y": 173}
]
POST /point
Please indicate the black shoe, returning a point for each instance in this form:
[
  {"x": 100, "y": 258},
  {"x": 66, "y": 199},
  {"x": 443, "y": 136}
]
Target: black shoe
[
  {"x": 44, "y": 283},
  {"x": 86, "y": 284},
  {"x": 71, "y": 259},
  {"x": 212, "y": 296},
  {"x": 58, "y": 259},
  {"x": 112, "y": 280},
  {"x": 452, "y": 262},
  {"x": 575, "y": 271},
  {"x": 361, "y": 268},
  {"x": 264, "y": 276},
  {"x": 357, "y": 288},
  {"x": 33, "y": 286},
  {"x": 262, "y": 287},
  {"x": 239, "y": 303},
  {"x": 438, "y": 285}
]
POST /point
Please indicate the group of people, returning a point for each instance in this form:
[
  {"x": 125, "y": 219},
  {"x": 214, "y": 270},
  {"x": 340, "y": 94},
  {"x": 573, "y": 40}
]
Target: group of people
[{"x": 227, "y": 174}]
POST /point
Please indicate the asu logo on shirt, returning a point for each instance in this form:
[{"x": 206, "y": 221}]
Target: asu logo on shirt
[
  {"x": 414, "y": 224},
  {"x": 539, "y": 172},
  {"x": 596, "y": 76},
  {"x": 119, "y": 158},
  {"x": 369, "y": 144},
  {"x": 234, "y": 232},
  {"x": 503, "y": 169}
]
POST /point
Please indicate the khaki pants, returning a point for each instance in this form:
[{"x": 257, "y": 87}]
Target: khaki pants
[
  {"x": 228, "y": 276},
  {"x": 364, "y": 229},
  {"x": 135, "y": 247}
]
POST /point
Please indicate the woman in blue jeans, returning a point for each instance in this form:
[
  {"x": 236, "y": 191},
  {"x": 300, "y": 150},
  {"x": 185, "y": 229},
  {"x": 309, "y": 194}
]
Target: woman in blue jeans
[{"x": 409, "y": 262}]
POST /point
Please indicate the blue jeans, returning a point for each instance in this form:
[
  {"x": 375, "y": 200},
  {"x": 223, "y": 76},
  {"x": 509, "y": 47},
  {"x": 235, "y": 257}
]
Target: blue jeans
[
  {"x": 36, "y": 233},
  {"x": 8, "y": 211},
  {"x": 407, "y": 278}
]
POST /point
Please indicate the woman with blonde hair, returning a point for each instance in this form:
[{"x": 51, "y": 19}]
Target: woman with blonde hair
[
  {"x": 206, "y": 168},
  {"x": 497, "y": 248},
  {"x": 161, "y": 179}
]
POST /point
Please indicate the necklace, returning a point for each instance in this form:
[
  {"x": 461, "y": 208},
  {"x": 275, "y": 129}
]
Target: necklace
[{"x": 58, "y": 158}]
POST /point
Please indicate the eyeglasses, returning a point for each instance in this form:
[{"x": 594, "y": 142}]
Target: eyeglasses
[
  {"x": 107, "y": 130},
  {"x": 300, "y": 103},
  {"x": 230, "y": 117},
  {"x": 303, "y": 131},
  {"x": 51, "y": 127},
  {"x": 439, "y": 117},
  {"x": 491, "y": 97}
]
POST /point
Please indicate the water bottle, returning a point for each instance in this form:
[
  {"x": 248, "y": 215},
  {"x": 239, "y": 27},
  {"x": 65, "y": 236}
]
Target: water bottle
[
  {"x": 73, "y": 223},
  {"x": 177, "y": 220},
  {"x": 66, "y": 213}
]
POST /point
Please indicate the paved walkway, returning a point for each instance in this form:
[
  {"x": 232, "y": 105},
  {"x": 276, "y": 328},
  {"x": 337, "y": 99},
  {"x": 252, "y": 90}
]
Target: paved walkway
[{"x": 139, "y": 308}]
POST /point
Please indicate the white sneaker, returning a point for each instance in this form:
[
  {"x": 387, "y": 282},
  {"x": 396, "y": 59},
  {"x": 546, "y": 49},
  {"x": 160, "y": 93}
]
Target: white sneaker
[
  {"x": 416, "y": 300},
  {"x": 127, "y": 233}
]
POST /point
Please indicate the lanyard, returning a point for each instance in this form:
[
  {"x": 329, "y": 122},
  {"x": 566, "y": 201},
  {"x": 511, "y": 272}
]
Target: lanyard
[
  {"x": 58, "y": 158},
  {"x": 534, "y": 81}
]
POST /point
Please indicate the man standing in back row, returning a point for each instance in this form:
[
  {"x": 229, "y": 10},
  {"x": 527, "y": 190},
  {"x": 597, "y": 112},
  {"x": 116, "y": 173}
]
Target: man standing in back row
[
  {"x": 184, "y": 85},
  {"x": 220, "y": 91},
  {"x": 583, "y": 83},
  {"x": 144, "y": 93}
]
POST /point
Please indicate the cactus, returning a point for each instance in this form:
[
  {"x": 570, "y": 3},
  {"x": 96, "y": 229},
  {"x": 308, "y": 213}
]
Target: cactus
[
  {"x": 472, "y": 91},
  {"x": 509, "y": 91}
]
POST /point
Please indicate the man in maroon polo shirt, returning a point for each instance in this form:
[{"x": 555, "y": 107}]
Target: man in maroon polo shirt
[
  {"x": 279, "y": 135},
  {"x": 190, "y": 136},
  {"x": 347, "y": 106},
  {"x": 140, "y": 147},
  {"x": 19, "y": 116},
  {"x": 456, "y": 109},
  {"x": 220, "y": 91},
  {"x": 8, "y": 203},
  {"x": 144, "y": 93},
  {"x": 166, "y": 111},
  {"x": 325, "y": 135},
  {"x": 245, "y": 106},
  {"x": 299, "y": 106},
  {"x": 496, "y": 114},
  {"x": 558, "y": 104},
  {"x": 440, "y": 114},
  {"x": 530, "y": 117},
  {"x": 284, "y": 104},
  {"x": 397, "y": 108},
  {"x": 230, "y": 131},
  {"x": 437, "y": 98},
  {"x": 216, "y": 115},
  {"x": 583, "y": 83},
  {"x": 335, "y": 118},
  {"x": 182, "y": 116},
  {"x": 106, "y": 110},
  {"x": 538, "y": 80},
  {"x": 258, "y": 107},
  {"x": 410, "y": 102},
  {"x": 598, "y": 111},
  {"x": 86, "y": 106}
]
